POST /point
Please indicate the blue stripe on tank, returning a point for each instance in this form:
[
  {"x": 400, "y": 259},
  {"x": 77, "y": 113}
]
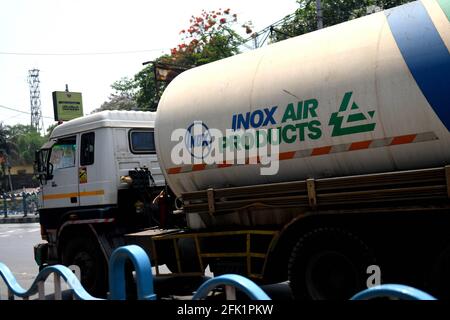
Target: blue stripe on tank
[{"x": 425, "y": 53}]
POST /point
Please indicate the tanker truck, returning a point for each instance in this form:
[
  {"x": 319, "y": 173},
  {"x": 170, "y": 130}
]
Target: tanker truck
[{"x": 314, "y": 160}]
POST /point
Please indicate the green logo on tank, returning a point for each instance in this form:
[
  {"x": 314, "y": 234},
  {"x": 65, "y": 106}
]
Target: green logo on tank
[{"x": 350, "y": 119}]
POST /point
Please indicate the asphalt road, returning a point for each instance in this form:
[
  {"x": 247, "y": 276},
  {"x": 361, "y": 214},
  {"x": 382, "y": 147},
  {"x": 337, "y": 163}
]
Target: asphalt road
[{"x": 16, "y": 251}]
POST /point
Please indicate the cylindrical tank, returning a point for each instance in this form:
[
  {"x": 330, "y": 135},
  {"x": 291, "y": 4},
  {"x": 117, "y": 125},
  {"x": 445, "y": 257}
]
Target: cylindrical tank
[{"x": 368, "y": 95}]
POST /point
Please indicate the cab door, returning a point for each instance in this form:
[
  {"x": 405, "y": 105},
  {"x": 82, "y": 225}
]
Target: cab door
[{"x": 61, "y": 187}]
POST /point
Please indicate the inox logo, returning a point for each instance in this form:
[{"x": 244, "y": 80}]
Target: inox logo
[
  {"x": 255, "y": 119},
  {"x": 198, "y": 139}
]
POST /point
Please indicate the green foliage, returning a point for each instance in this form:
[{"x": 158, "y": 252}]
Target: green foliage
[
  {"x": 19, "y": 143},
  {"x": 50, "y": 130},
  {"x": 118, "y": 102},
  {"x": 333, "y": 12},
  {"x": 8, "y": 148},
  {"x": 125, "y": 87},
  {"x": 148, "y": 94},
  {"x": 208, "y": 38},
  {"x": 27, "y": 144},
  {"x": 124, "y": 97}
]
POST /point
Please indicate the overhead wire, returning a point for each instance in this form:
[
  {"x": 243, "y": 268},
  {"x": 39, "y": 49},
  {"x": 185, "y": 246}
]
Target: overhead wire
[
  {"x": 21, "y": 111},
  {"x": 78, "y": 53}
]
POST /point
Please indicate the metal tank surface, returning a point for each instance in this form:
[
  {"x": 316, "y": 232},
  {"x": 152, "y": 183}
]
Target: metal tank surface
[{"x": 364, "y": 96}]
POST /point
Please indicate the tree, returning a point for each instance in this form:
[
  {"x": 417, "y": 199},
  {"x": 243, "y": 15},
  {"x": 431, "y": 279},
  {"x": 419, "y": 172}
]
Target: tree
[
  {"x": 7, "y": 150},
  {"x": 23, "y": 141},
  {"x": 149, "y": 92},
  {"x": 333, "y": 12},
  {"x": 50, "y": 130},
  {"x": 118, "y": 102},
  {"x": 209, "y": 37},
  {"x": 124, "y": 97}
]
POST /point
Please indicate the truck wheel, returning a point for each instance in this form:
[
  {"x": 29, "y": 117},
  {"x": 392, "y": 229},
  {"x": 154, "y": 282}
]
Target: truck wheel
[
  {"x": 85, "y": 253},
  {"x": 328, "y": 264}
]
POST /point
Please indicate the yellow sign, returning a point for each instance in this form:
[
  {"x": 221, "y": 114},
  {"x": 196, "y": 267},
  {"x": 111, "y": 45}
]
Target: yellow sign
[
  {"x": 67, "y": 105},
  {"x": 83, "y": 175}
]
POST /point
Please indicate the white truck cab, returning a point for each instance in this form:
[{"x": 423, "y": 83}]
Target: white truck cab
[
  {"x": 86, "y": 159},
  {"x": 100, "y": 179}
]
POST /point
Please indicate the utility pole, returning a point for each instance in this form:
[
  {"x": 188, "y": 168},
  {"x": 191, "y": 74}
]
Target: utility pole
[{"x": 319, "y": 14}]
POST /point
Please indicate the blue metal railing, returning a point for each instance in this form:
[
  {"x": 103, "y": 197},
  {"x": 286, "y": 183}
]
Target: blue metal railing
[
  {"x": 231, "y": 281},
  {"x": 14, "y": 289},
  {"x": 142, "y": 266},
  {"x": 15, "y": 203},
  {"x": 397, "y": 291},
  {"x": 144, "y": 281}
]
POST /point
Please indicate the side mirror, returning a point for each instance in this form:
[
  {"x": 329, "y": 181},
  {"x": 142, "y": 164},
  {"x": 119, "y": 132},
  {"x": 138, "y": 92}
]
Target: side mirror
[
  {"x": 43, "y": 170},
  {"x": 37, "y": 167}
]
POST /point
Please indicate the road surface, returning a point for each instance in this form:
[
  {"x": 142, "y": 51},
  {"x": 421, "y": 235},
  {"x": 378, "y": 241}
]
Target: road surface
[{"x": 16, "y": 251}]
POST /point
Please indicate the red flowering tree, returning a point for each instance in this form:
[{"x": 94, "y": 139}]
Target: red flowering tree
[{"x": 208, "y": 38}]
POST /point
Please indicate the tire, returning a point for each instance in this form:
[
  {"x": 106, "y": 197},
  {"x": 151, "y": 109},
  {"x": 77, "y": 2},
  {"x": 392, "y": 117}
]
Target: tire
[
  {"x": 328, "y": 264},
  {"x": 188, "y": 257},
  {"x": 439, "y": 277},
  {"x": 86, "y": 253}
]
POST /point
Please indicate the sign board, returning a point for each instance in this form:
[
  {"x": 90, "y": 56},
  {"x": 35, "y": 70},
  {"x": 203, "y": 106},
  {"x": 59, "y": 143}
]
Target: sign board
[{"x": 67, "y": 105}]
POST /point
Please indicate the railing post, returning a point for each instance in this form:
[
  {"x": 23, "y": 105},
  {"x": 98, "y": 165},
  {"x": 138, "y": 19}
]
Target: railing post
[
  {"x": 13, "y": 202},
  {"x": 10, "y": 294},
  {"x": 24, "y": 203},
  {"x": 41, "y": 290},
  {"x": 57, "y": 282},
  {"x": 5, "y": 206},
  {"x": 230, "y": 293}
]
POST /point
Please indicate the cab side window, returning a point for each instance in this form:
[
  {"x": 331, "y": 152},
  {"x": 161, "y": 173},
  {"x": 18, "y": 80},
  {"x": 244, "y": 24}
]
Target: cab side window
[
  {"x": 87, "y": 149},
  {"x": 63, "y": 153},
  {"x": 142, "y": 141}
]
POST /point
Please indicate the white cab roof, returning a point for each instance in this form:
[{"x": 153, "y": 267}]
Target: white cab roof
[{"x": 106, "y": 119}]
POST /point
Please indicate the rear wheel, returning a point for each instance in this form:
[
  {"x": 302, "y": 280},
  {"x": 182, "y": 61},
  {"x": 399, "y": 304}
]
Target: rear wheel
[
  {"x": 87, "y": 255},
  {"x": 438, "y": 277},
  {"x": 328, "y": 264}
]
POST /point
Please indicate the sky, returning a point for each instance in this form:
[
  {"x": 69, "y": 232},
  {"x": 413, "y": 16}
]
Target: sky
[{"x": 90, "y": 44}]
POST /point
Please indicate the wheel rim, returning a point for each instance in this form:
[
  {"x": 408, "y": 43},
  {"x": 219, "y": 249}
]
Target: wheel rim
[{"x": 331, "y": 275}]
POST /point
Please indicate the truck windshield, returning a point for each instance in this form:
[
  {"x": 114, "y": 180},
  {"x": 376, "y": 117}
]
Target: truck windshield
[{"x": 63, "y": 153}]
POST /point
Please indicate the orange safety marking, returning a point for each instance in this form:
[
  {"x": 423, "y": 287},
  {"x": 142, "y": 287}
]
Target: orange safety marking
[
  {"x": 59, "y": 196},
  {"x": 174, "y": 170},
  {"x": 73, "y": 194},
  {"x": 403, "y": 139},
  {"x": 321, "y": 151},
  {"x": 360, "y": 145},
  {"x": 92, "y": 193},
  {"x": 198, "y": 167},
  {"x": 287, "y": 155}
]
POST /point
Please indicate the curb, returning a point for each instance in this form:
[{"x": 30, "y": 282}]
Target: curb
[{"x": 29, "y": 219}]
